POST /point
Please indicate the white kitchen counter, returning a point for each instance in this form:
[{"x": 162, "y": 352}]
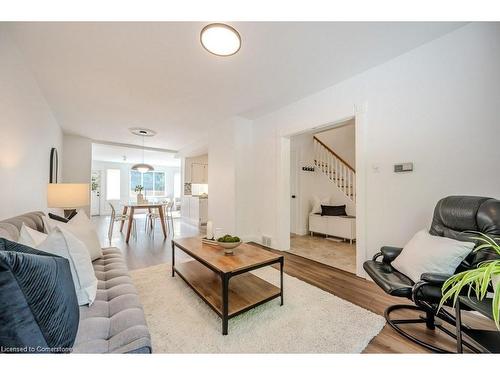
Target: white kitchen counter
[{"x": 194, "y": 209}]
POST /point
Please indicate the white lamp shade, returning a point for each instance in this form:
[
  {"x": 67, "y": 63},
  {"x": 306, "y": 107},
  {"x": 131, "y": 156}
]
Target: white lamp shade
[
  {"x": 142, "y": 167},
  {"x": 68, "y": 195}
]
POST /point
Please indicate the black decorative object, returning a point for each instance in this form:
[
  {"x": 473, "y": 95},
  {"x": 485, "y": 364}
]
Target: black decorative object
[
  {"x": 54, "y": 166},
  {"x": 60, "y": 218},
  {"x": 333, "y": 210},
  {"x": 39, "y": 310},
  {"x": 308, "y": 169}
]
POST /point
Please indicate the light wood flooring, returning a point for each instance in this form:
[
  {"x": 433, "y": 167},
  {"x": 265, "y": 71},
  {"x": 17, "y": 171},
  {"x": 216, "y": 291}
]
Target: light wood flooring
[
  {"x": 147, "y": 251},
  {"x": 339, "y": 254}
]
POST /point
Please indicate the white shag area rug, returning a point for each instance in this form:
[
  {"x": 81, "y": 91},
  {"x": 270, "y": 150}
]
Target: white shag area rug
[{"x": 310, "y": 321}]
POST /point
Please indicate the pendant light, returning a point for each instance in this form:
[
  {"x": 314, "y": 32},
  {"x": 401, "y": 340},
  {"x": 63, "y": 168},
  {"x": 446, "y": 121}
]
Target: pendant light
[{"x": 142, "y": 167}]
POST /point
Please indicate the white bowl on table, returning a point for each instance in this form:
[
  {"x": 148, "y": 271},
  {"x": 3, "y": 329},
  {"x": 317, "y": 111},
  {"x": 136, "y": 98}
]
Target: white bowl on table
[{"x": 229, "y": 246}]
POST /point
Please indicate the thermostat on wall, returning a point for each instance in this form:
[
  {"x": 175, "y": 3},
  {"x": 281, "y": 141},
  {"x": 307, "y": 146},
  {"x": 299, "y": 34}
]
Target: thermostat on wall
[{"x": 403, "y": 167}]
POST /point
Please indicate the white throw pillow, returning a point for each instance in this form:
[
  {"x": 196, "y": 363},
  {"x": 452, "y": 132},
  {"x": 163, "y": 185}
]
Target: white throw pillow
[
  {"x": 81, "y": 227},
  {"x": 427, "y": 253},
  {"x": 317, "y": 202},
  {"x": 63, "y": 243},
  {"x": 30, "y": 237}
]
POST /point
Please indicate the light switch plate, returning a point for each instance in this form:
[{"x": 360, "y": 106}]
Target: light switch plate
[{"x": 403, "y": 167}]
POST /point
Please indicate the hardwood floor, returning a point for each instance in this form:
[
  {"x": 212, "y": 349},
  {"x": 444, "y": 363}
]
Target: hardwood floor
[
  {"x": 336, "y": 253},
  {"x": 147, "y": 251}
]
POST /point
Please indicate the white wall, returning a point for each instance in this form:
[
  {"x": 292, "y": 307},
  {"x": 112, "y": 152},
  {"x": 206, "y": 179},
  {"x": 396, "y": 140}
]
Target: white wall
[
  {"x": 28, "y": 132},
  {"x": 230, "y": 176},
  {"x": 436, "y": 106},
  {"x": 312, "y": 184},
  {"x": 124, "y": 168},
  {"x": 342, "y": 140}
]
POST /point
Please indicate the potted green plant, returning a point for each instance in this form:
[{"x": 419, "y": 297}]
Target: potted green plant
[
  {"x": 138, "y": 189},
  {"x": 478, "y": 279}
]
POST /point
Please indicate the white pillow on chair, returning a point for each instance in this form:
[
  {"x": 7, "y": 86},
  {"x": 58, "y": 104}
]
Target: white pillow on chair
[{"x": 427, "y": 253}]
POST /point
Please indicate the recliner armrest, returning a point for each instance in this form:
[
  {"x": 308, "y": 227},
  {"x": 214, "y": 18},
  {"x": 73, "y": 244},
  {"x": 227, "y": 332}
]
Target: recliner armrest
[
  {"x": 435, "y": 278},
  {"x": 389, "y": 253}
]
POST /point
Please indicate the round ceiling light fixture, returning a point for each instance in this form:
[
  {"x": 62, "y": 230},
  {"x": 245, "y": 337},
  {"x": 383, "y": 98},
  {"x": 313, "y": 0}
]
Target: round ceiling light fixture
[
  {"x": 143, "y": 132},
  {"x": 220, "y": 39}
]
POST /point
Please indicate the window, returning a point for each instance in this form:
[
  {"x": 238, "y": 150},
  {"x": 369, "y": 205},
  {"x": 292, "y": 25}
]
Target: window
[
  {"x": 153, "y": 183},
  {"x": 135, "y": 180},
  {"x": 112, "y": 184}
]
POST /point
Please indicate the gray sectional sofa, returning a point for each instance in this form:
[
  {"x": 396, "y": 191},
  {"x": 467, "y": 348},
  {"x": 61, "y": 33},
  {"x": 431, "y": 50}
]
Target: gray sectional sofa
[{"x": 115, "y": 322}]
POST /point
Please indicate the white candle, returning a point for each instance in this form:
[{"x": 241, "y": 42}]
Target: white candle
[{"x": 210, "y": 230}]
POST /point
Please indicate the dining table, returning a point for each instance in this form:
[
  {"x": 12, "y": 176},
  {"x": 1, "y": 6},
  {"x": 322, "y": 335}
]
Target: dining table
[{"x": 130, "y": 209}]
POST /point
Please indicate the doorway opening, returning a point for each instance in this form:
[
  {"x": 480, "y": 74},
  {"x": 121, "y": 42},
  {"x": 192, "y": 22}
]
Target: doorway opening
[
  {"x": 115, "y": 183},
  {"x": 323, "y": 195}
]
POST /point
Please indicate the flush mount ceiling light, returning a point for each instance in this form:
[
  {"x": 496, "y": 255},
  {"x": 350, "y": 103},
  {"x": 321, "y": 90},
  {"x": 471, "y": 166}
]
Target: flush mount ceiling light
[
  {"x": 220, "y": 39},
  {"x": 142, "y": 167}
]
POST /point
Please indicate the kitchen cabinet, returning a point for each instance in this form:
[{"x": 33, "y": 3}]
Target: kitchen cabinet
[
  {"x": 203, "y": 212},
  {"x": 199, "y": 173},
  {"x": 194, "y": 210},
  {"x": 196, "y": 170},
  {"x": 185, "y": 203}
]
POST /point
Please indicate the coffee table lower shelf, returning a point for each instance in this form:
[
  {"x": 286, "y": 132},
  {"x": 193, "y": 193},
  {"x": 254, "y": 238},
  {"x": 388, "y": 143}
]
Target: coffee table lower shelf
[{"x": 245, "y": 291}]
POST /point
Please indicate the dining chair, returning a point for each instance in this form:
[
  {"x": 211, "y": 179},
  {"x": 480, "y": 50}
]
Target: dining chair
[
  {"x": 119, "y": 218},
  {"x": 152, "y": 216},
  {"x": 169, "y": 217}
]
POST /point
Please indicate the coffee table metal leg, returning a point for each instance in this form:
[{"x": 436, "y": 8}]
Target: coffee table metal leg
[
  {"x": 225, "y": 303},
  {"x": 281, "y": 279},
  {"x": 173, "y": 258}
]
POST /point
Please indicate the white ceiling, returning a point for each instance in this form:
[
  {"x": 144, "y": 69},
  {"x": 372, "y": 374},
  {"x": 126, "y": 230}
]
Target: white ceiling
[
  {"x": 129, "y": 155},
  {"x": 102, "y": 78}
]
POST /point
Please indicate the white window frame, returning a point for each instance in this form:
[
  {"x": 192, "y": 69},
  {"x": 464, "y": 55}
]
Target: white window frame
[{"x": 131, "y": 189}]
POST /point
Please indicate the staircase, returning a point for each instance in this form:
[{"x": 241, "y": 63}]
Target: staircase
[{"x": 337, "y": 170}]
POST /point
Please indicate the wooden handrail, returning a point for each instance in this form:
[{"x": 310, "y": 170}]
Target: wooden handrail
[{"x": 335, "y": 154}]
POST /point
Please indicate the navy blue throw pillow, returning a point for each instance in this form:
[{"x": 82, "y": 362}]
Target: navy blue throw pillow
[
  {"x": 39, "y": 310},
  {"x": 333, "y": 210}
]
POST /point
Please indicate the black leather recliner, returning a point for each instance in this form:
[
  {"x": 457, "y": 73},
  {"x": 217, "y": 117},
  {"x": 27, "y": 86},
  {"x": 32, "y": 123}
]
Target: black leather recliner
[{"x": 453, "y": 217}]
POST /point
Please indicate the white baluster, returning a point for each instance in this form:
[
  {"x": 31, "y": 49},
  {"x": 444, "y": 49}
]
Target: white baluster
[
  {"x": 315, "y": 151},
  {"x": 325, "y": 165},
  {"x": 330, "y": 159},
  {"x": 349, "y": 183},
  {"x": 353, "y": 187},
  {"x": 345, "y": 179},
  {"x": 337, "y": 172},
  {"x": 321, "y": 156}
]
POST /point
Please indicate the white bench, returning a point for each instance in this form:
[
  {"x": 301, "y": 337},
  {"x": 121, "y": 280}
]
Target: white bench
[{"x": 337, "y": 226}]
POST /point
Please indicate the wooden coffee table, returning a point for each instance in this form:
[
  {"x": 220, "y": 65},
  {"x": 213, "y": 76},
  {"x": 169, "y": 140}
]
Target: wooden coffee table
[{"x": 210, "y": 272}]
